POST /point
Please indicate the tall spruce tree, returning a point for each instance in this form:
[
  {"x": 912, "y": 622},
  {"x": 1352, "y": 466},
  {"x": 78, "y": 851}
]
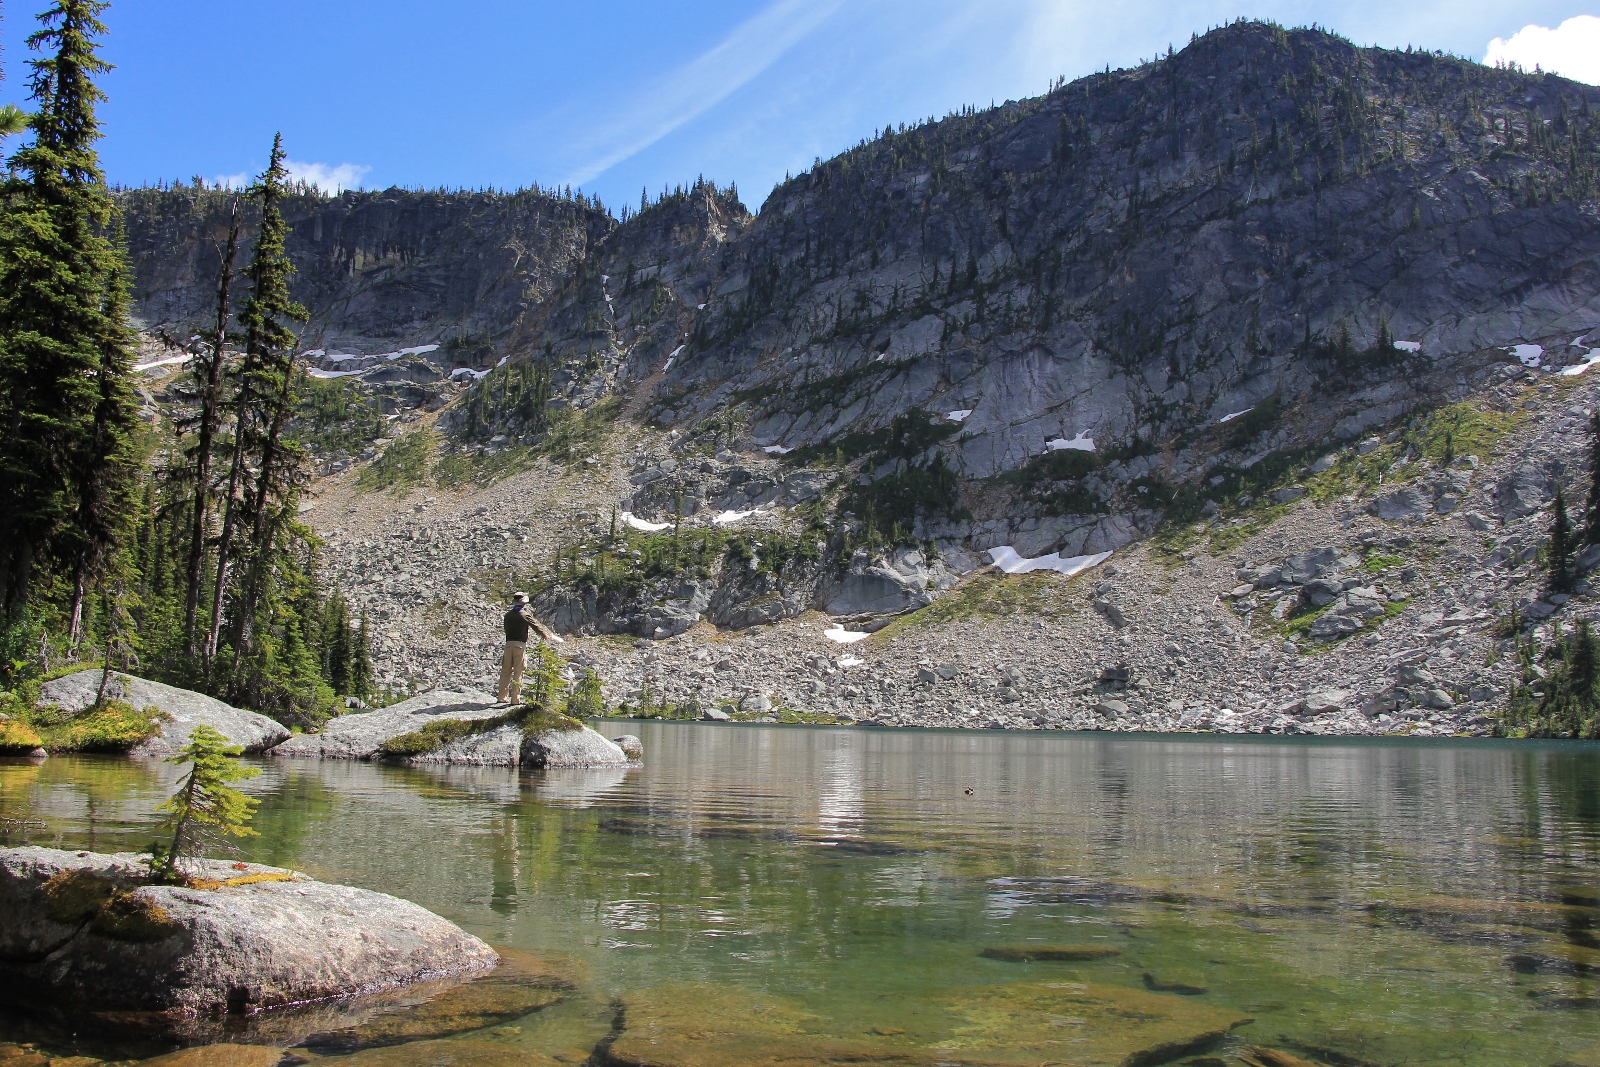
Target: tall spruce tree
[
  {"x": 269, "y": 504},
  {"x": 262, "y": 404},
  {"x": 106, "y": 469},
  {"x": 63, "y": 334}
]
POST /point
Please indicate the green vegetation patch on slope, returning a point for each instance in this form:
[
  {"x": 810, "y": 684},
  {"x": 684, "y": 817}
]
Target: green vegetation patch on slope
[
  {"x": 988, "y": 594},
  {"x": 403, "y": 465},
  {"x": 1429, "y": 441}
]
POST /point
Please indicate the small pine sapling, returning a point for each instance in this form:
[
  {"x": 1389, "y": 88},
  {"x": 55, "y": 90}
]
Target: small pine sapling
[
  {"x": 587, "y": 699},
  {"x": 204, "y": 811}
]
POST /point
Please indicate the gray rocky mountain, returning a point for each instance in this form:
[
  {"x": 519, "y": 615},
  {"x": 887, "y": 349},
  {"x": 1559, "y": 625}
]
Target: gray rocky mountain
[{"x": 1165, "y": 299}]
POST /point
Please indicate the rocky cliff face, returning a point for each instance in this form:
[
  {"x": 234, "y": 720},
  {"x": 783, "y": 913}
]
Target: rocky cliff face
[{"x": 378, "y": 271}]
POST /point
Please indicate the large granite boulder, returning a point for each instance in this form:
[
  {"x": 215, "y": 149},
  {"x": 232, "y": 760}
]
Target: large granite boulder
[
  {"x": 886, "y": 585},
  {"x": 251, "y": 732},
  {"x": 417, "y": 731},
  {"x": 359, "y": 735},
  {"x": 79, "y": 926}
]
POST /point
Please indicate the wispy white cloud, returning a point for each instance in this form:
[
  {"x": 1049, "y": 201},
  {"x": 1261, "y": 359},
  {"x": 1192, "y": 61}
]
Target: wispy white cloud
[
  {"x": 330, "y": 179},
  {"x": 1572, "y": 49},
  {"x": 698, "y": 85},
  {"x": 334, "y": 179}
]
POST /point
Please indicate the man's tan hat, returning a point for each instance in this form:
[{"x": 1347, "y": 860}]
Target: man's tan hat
[{"x": 519, "y": 596}]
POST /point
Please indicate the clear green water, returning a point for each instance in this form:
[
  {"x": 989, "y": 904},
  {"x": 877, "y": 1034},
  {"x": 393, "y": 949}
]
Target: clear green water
[{"x": 1370, "y": 902}]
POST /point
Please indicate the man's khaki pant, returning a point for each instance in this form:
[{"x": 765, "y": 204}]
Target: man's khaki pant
[{"x": 511, "y": 671}]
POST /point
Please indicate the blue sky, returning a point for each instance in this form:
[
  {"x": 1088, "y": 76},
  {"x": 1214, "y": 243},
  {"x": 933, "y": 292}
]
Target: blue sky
[{"x": 615, "y": 95}]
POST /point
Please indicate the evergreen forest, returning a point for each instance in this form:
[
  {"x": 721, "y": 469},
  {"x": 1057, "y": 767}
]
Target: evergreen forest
[{"x": 167, "y": 546}]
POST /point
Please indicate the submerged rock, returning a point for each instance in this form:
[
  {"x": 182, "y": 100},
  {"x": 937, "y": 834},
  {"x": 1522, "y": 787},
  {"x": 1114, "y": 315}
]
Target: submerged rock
[
  {"x": 1087, "y": 1025},
  {"x": 1049, "y": 953},
  {"x": 79, "y": 927},
  {"x": 215, "y": 1056},
  {"x": 251, "y": 732},
  {"x": 715, "y": 1026},
  {"x": 472, "y": 1053},
  {"x": 521, "y": 985}
]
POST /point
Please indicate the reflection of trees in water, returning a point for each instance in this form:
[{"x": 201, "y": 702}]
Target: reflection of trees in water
[
  {"x": 98, "y": 803},
  {"x": 1555, "y": 812}
]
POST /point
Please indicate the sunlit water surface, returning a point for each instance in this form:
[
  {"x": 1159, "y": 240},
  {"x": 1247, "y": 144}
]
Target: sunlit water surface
[{"x": 1386, "y": 902}]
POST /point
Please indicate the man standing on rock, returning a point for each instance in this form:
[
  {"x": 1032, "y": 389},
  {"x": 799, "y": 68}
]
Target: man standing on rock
[{"x": 519, "y": 620}]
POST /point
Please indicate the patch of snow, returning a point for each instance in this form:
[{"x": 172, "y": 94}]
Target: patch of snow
[
  {"x": 728, "y": 518},
  {"x": 960, "y": 415},
  {"x": 640, "y": 524},
  {"x": 502, "y": 362},
  {"x": 318, "y": 353},
  {"x": 1005, "y": 557},
  {"x": 1235, "y": 415},
  {"x": 1409, "y": 346},
  {"x": 879, "y": 358},
  {"x": 1591, "y": 357},
  {"x": 777, "y": 450},
  {"x": 1081, "y": 443},
  {"x": 850, "y": 661},
  {"x": 668, "y": 366},
  {"x": 700, "y": 307},
  {"x": 317, "y": 372},
  {"x": 467, "y": 372},
  {"x": 604, "y": 278},
  {"x": 420, "y": 350},
  {"x": 154, "y": 363},
  {"x": 838, "y": 633},
  {"x": 1528, "y": 355}
]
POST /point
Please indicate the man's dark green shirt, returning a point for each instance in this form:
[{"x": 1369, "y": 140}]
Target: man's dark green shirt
[{"x": 517, "y": 625}]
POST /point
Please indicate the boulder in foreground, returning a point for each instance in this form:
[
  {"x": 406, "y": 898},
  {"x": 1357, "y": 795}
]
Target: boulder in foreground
[
  {"x": 246, "y": 729},
  {"x": 78, "y": 927},
  {"x": 458, "y": 727}
]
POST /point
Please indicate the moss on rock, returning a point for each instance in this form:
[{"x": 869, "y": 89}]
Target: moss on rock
[
  {"x": 131, "y": 917},
  {"x": 17, "y": 738},
  {"x": 73, "y": 896},
  {"x": 114, "y": 726}
]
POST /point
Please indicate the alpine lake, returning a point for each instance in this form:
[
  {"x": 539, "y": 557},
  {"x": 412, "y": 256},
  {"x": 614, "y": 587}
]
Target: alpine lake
[{"x": 759, "y": 895}]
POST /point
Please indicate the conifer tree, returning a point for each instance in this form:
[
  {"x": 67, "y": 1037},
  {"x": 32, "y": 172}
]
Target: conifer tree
[
  {"x": 1560, "y": 550},
  {"x": 208, "y": 375},
  {"x": 1591, "y": 511},
  {"x": 361, "y": 662},
  {"x": 63, "y": 356},
  {"x": 254, "y": 508},
  {"x": 106, "y": 469},
  {"x": 205, "y": 810}
]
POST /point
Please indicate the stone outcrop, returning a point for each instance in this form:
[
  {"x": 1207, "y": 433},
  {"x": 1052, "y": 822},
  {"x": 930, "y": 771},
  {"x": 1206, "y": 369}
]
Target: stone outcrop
[
  {"x": 363, "y": 735},
  {"x": 82, "y": 927},
  {"x": 246, "y": 729}
]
